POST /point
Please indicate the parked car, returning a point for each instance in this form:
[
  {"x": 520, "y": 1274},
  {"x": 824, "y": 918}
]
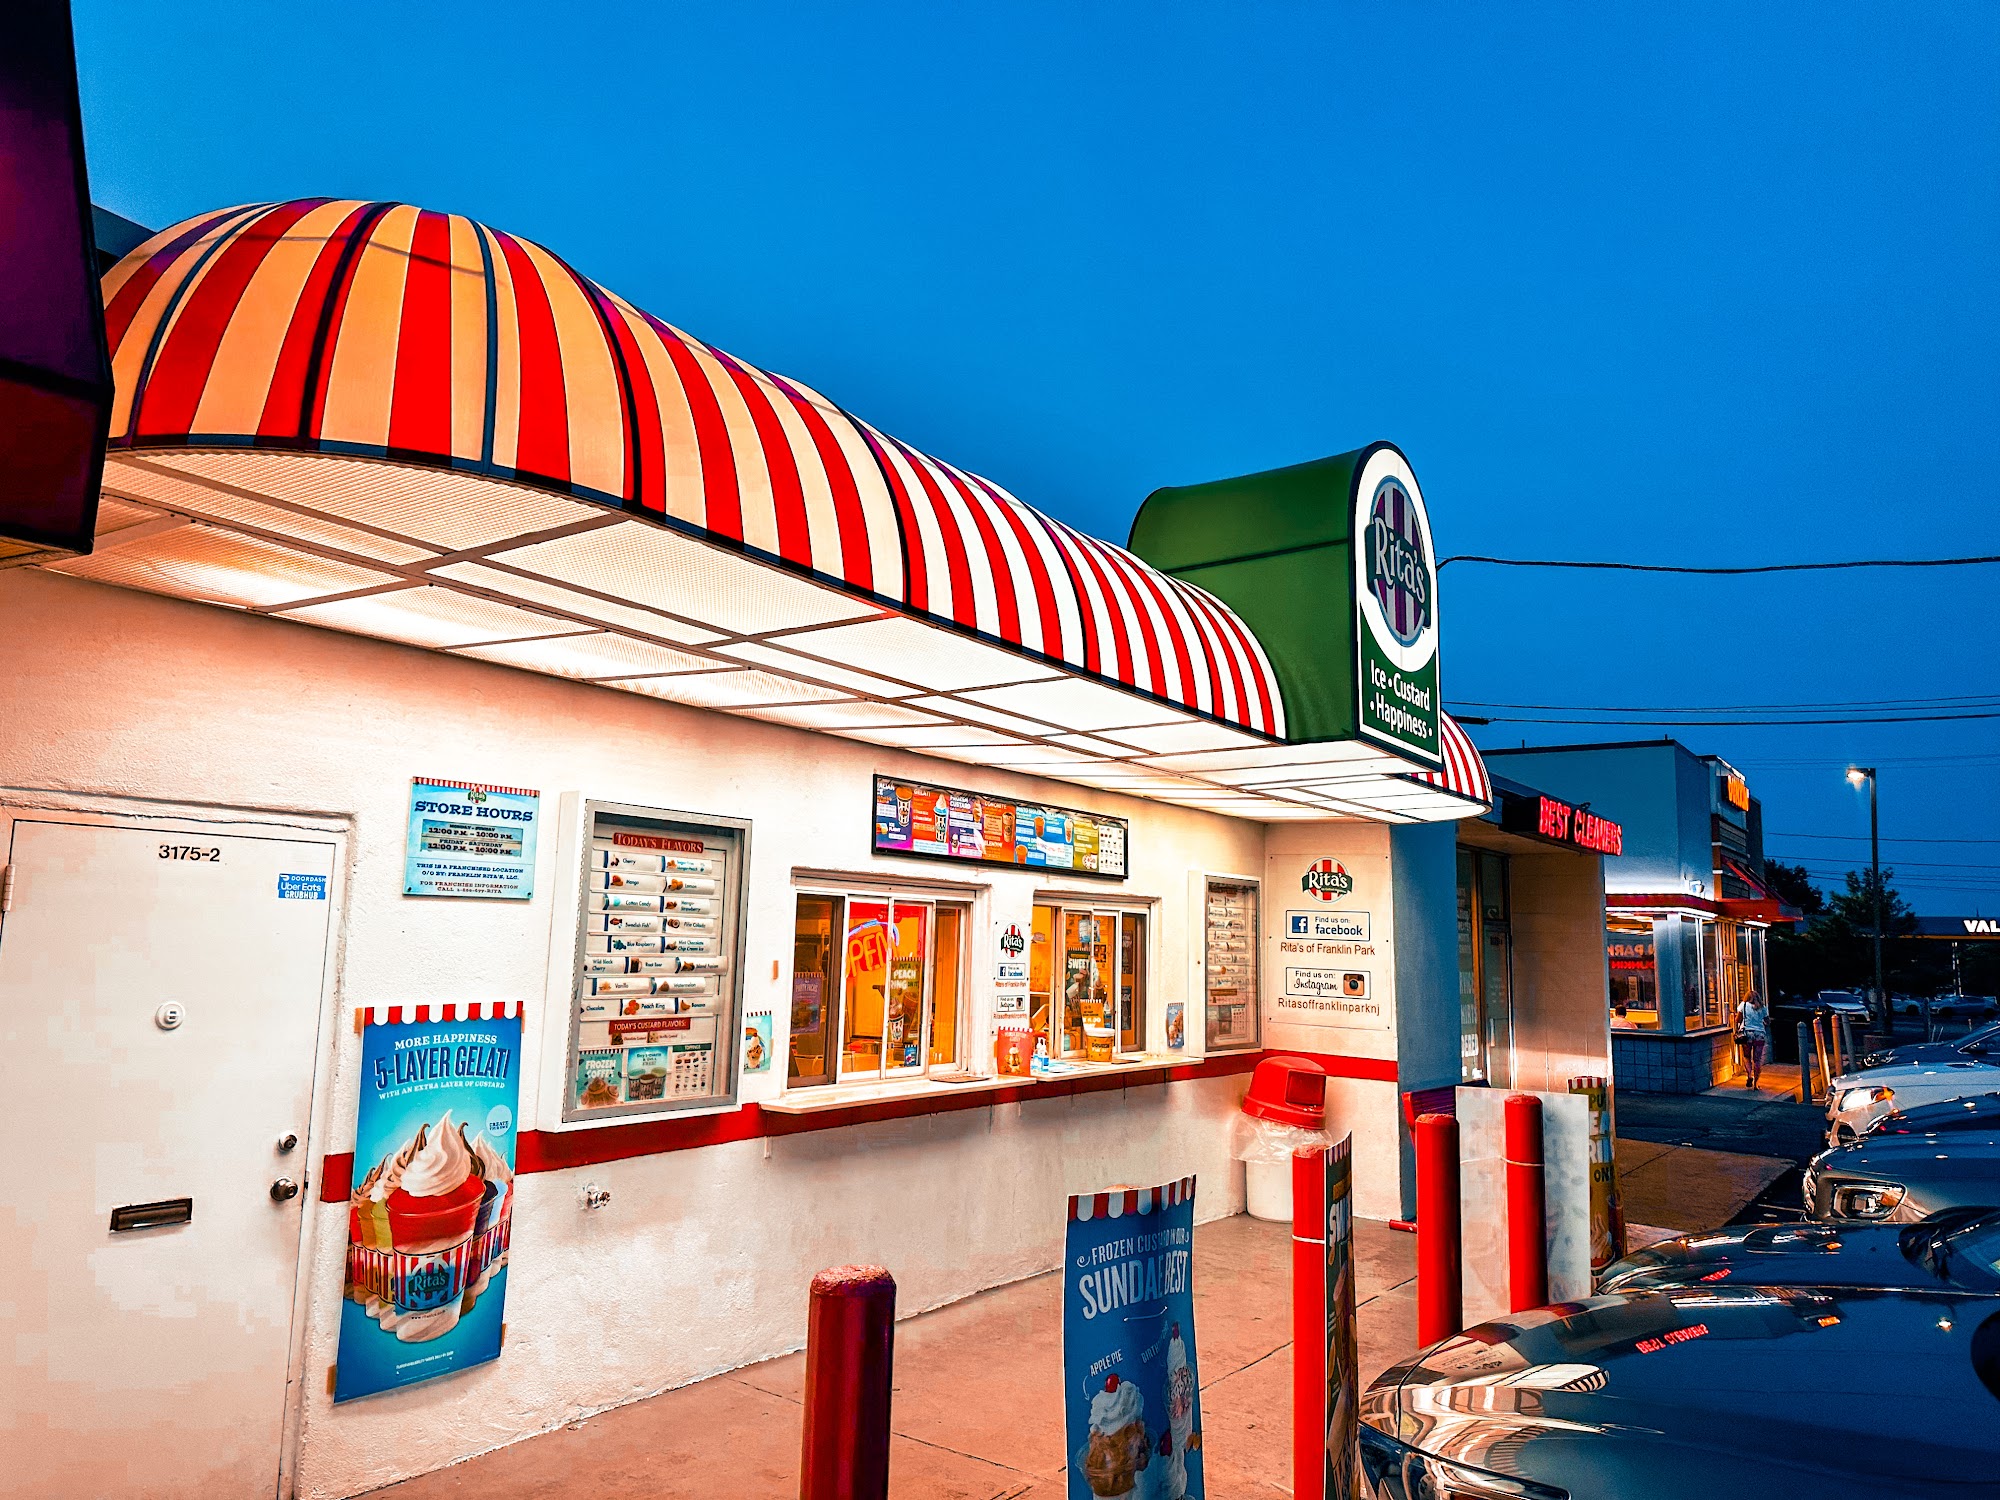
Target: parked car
[
  {"x": 1900, "y": 1179},
  {"x": 1955, "y": 1006},
  {"x": 1985, "y": 1040},
  {"x": 1956, "y": 1250},
  {"x": 1973, "y": 1112},
  {"x": 1723, "y": 1392},
  {"x": 1840, "y": 1003},
  {"x": 1854, "y": 1101},
  {"x": 1906, "y": 1005}
]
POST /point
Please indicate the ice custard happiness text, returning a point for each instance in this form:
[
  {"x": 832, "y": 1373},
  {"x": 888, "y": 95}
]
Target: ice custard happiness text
[
  {"x": 1141, "y": 1267},
  {"x": 420, "y": 1059}
]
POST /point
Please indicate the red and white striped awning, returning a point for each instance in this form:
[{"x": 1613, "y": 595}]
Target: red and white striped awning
[
  {"x": 381, "y": 419},
  {"x": 1464, "y": 771}
]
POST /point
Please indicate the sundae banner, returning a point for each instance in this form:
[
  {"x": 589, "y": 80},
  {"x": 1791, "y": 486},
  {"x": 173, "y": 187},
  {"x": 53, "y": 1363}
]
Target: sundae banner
[
  {"x": 1343, "y": 1364},
  {"x": 1131, "y": 1389},
  {"x": 432, "y": 1211}
]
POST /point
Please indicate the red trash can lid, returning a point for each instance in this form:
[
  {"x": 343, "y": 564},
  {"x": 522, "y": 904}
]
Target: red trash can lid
[{"x": 1289, "y": 1090}]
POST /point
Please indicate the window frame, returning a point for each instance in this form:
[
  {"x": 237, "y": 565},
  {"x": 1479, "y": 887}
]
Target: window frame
[
  {"x": 889, "y": 897},
  {"x": 1114, "y": 913}
]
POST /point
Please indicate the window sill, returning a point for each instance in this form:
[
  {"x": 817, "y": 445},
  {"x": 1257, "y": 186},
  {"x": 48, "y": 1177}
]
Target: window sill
[{"x": 1077, "y": 1078}]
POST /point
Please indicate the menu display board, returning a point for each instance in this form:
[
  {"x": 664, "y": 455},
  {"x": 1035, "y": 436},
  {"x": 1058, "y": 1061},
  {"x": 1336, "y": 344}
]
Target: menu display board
[
  {"x": 654, "y": 1024},
  {"x": 934, "y": 822},
  {"x": 1231, "y": 963}
]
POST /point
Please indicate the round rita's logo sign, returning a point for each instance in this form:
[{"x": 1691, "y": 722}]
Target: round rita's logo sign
[
  {"x": 1011, "y": 942},
  {"x": 1326, "y": 881},
  {"x": 1398, "y": 565}
]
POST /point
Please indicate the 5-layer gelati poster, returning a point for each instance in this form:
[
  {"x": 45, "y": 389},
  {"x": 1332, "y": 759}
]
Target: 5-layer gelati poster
[
  {"x": 431, "y": 1213},
  {"x": 1131, "y": 1381}
]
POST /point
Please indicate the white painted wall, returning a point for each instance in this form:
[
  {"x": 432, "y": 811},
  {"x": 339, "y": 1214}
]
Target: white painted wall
[{"x": 701, "y": 1261}]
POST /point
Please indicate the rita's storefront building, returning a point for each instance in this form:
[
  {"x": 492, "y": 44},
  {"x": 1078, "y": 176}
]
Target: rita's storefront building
[{"x": 792, "y": 847}]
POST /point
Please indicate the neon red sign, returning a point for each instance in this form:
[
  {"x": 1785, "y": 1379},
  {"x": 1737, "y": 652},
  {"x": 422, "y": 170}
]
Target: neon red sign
[{"x": 1561, "y": 823}]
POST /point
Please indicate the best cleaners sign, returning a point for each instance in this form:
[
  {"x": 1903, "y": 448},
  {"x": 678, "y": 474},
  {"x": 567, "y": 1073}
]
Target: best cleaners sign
[
  {"x": 1395, "y": 591},
  {"x": 1560, "y": 822}
]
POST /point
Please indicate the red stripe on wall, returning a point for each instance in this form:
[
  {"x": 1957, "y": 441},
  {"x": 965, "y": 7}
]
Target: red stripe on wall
[
  {"x": 542, "y": 447},
  {"x": 420, "y": 408},
  {"x": 556, "y": 1151}
]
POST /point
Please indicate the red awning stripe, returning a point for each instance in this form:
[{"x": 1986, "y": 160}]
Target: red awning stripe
[
  {"x": 378, "y": 329},
  {"x": 1464, "y": 771}
]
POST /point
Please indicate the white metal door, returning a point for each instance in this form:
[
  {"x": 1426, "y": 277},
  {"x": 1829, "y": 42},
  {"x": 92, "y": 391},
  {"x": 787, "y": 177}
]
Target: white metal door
[{"x": 153, "y": 1360}]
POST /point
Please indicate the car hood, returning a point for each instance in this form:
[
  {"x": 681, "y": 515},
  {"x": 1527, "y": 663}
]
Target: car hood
[
  {"x": 1973, "y": 1112},
  {"x": 1868, "y": 1255},
  {"x": 1926, "y": 1155},
  {"x": 1722, "y": 1391},
  {"x": 1977, "y": 1076}
]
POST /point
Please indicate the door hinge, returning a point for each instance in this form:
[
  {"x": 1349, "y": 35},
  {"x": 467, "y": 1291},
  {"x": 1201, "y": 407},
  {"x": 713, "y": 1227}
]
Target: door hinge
[{"x": 6, "y": 888}]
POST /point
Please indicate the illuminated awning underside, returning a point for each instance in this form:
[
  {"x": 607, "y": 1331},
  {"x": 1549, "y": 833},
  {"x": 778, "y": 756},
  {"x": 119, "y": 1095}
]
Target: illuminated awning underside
[{"x": 403, "y": 424}]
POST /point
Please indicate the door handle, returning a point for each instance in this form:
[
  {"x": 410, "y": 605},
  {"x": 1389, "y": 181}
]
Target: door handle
[
  {"x": 284, "y": 1190},
  {"x": 152, "y": 1215}
]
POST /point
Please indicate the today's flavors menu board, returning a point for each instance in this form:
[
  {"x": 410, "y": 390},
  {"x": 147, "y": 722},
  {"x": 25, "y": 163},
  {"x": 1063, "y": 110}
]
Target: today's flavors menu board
[
  {"x": 656, "y": 991},
  {"x": 1230, "y": 959},
  {"x": 935, "y": 822}
]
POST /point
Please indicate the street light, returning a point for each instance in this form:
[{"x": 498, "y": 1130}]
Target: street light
[{"x": 1856, "y": 775}]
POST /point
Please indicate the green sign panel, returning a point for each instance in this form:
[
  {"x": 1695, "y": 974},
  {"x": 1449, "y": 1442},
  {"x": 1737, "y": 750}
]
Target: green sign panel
[{"x": 1331, "y": 564}]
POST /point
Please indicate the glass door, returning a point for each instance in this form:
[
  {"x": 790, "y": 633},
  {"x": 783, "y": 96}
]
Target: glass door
[{"x": 1496, "y": 988}]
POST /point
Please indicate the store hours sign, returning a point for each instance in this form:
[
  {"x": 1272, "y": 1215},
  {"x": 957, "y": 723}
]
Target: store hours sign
[{"x": 1395, "y": 592}]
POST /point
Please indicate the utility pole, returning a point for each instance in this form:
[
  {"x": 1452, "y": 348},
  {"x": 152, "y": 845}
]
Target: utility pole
[{"x": 1855, "y": 775}]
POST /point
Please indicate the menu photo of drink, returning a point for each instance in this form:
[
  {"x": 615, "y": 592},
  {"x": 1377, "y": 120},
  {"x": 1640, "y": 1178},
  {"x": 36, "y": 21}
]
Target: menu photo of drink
[
  {"x": 933, "y": 822},
  {"x": 655, "y": 1022}
]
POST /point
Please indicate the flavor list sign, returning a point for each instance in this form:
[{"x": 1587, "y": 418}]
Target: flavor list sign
[
  {"x": 1131, "y": 1386},
  {"x": 943, "y": 823},
  {"x": 431, "y": 1219},
  {"x": 466, "y": 838}
]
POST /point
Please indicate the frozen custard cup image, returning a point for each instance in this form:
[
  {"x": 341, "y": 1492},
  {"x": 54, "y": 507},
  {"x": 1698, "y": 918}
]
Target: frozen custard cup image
[
  {"x": 1118, "y": 1449},
  {"x": 412, "y": 1220},
  {"x": 493, "y": 1228}
]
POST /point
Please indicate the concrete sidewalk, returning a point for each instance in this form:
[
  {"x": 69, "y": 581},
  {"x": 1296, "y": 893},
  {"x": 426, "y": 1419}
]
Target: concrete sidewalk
[{"x": 977, "y": 1413}]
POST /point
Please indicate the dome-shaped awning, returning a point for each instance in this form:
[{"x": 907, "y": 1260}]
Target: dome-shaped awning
[{"x": 382, "y": 419}]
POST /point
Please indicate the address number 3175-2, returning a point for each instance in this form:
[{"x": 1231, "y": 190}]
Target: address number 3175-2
[{"x": 189, "y": 851}]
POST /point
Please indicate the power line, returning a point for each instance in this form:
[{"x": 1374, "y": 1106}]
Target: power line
[
  {"x": 1810, "y": 567},
  {"x": 1863, "y": 838},
  {"x": 1901, "y": 864}
]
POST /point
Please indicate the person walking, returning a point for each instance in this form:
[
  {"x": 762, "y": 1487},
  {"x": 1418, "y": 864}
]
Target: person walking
[{"x": 1753, "y": 1035}]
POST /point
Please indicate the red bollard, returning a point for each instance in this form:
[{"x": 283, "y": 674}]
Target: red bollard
[
  {"x": 1527, "y": 1205},
  {"x": 850, "y": 1341},
  {"x": 1308, "y": 1325},
  {"x": 1440, "y": 1253}
]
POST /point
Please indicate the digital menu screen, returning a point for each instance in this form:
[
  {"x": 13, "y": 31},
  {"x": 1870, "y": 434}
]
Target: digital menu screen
[{"x": 937, "y": 822}]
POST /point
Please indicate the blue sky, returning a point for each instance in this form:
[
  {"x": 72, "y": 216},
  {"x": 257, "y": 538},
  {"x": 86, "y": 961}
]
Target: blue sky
[{"x": 1664, "y": 284}]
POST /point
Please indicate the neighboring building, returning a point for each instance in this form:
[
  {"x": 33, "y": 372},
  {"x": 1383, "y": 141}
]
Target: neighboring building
[
  {"x": 1686, "y": 908},
  {"x": 1531, "y": 968}
]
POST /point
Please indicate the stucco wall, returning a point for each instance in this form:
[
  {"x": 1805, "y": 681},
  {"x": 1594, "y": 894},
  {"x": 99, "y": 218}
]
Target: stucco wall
[{"x": 701, "y": 1261}]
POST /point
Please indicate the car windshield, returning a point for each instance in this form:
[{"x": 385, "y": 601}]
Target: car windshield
[{"x": 1972, "y": 1248}]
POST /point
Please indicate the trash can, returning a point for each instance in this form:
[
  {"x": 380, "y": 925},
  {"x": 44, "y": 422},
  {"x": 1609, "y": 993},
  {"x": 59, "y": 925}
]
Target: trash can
[{"x": 1284, "y": 1113}]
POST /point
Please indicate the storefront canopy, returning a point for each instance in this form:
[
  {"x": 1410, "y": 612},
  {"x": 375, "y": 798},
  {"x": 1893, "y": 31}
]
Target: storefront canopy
[{"x": 380, "y": 419}]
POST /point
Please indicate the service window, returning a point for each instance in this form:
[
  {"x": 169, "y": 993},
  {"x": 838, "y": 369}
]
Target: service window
[
  {"x": 878, "y": 987},
  {"x": 653, "y": 1023},
  {"x": 1087, "y": 973},
  {"x": 1230, "y": 964}
]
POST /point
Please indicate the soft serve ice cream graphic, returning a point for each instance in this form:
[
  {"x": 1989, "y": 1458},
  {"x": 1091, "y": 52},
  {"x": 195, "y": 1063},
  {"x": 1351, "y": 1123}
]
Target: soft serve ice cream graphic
[
  {"x": 428, "y": 1228},
  {"x": 1118, "y": 1450},
  {"x": 1180, "y": 1438}
]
